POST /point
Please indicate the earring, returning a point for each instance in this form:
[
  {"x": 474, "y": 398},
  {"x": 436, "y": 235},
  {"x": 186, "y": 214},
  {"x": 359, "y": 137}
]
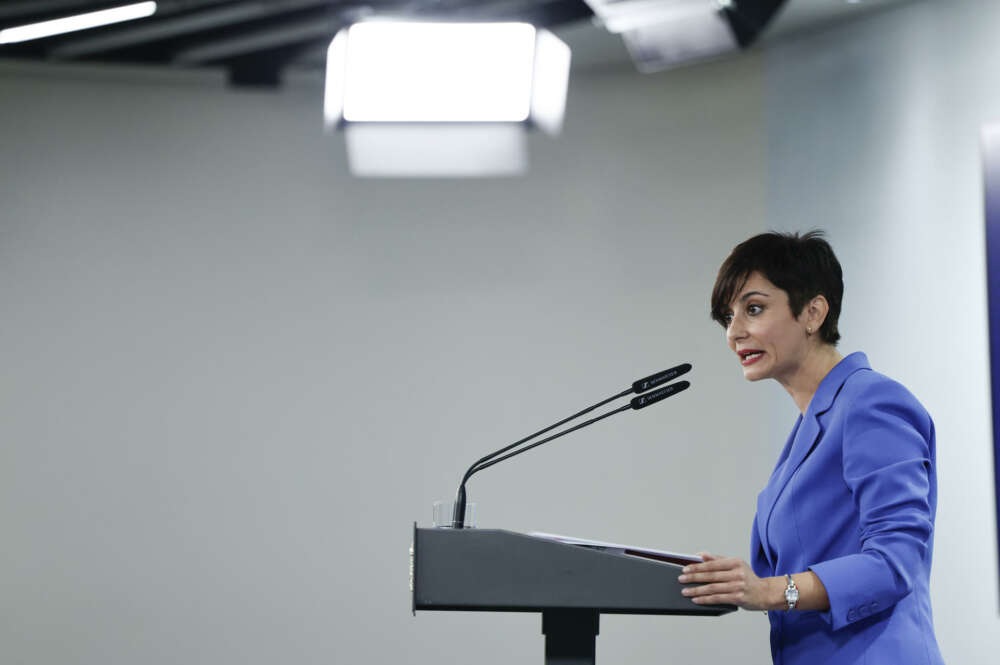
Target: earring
[{"x": 809, "y": 330}]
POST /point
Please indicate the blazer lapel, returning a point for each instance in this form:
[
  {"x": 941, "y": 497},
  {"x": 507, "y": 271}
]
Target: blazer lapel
[
  {"x": 766, "y": 498},
  {"x": 803, "y": 440},
  {"x": 806, "y": 439}
]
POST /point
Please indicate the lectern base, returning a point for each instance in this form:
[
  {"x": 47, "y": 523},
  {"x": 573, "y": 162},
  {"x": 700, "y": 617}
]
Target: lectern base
[{"x": 570, "y": 636}]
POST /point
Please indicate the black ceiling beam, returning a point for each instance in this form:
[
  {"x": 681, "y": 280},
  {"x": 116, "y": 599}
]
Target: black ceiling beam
[
  {"x": 319, "y": 25},
  {"x": 554, "y": 13},
  {"x": 538, "y": 12},
  {"x": 263, "y": 69},
  {"x": 748, "y": 17},
  {"x": 178, "y": 26},
  {"x": 30, "y": 10},
  {"x": 41, "y": 48}
]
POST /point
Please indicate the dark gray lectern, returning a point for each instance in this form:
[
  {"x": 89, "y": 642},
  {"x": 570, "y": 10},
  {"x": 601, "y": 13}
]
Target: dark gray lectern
[{"x": 490, "y": 570}]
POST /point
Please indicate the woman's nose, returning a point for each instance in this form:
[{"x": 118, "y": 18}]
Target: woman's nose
[{"x": 735, "y": 331}]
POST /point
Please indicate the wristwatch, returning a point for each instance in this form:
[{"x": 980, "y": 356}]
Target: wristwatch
[{"x": 791, "y": 593}]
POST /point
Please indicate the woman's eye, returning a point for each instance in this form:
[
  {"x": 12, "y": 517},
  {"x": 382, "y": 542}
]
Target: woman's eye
[{"x": 755, "y": 309}]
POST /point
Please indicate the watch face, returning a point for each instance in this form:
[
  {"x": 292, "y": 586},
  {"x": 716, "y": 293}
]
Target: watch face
[{"x": 792, "y": 595}]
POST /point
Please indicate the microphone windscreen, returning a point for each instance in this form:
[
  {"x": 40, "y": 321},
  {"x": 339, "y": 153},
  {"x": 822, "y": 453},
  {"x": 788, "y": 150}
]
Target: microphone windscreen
[
  {"x": 642, "y": 401},
  {"x": 658, "y": 379}
]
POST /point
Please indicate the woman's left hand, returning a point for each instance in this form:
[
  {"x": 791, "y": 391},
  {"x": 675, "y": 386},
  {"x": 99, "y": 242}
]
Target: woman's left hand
[{"x": 727, "y": 581}]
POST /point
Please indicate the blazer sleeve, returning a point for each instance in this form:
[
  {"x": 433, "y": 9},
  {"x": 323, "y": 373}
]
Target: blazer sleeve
[{"x": 887, "y": 462}]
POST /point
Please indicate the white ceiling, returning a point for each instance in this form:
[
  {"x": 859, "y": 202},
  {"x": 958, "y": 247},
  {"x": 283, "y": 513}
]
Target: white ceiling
[{"x": 595, "y": 48}]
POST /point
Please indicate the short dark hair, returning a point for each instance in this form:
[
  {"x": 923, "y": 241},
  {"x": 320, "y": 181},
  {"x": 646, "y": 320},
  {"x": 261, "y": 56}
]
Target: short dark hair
[{"x": 802, "y": 266}]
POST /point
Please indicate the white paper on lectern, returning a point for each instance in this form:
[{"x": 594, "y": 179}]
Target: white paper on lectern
[{"x": 618, "y": 548}]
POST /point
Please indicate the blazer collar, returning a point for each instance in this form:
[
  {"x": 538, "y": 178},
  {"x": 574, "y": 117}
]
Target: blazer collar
[
  {"x": 803, "y": 439},
  {"x": 831, "y": 384}
]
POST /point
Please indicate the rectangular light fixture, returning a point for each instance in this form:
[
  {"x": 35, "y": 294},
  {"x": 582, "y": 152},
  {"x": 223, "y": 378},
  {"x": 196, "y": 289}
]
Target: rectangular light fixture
[
  {"x": 622, "y": 16},
  {"x": 443, "y": 100},
  {"x": 401, "y": 71},
  {"x": 660, "y": 34},
  {"x": 684, "y": 39},
  {"x": 86, "y": 21}
]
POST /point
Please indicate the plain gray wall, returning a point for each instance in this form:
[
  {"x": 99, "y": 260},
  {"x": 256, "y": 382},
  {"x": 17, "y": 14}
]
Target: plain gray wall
[{"x": 234, "y": 375}]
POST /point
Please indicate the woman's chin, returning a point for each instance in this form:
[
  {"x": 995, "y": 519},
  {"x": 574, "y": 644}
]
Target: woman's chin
[{"x": 754, "y": 373}]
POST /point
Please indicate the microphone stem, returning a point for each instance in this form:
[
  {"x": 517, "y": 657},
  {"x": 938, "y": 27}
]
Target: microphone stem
[
  {"x": 554, "y": 436},
  {"x": 458, "y": 516},
  {"x": 472, "y": 469}
]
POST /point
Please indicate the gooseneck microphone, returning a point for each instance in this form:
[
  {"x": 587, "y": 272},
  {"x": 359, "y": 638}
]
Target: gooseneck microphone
[
  {"x": 639, "y": 387},
  {"x": 653, "y": 380}
]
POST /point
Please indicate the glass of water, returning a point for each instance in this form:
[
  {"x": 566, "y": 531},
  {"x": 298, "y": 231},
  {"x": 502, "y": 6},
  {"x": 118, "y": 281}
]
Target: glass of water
[{"x": 444, "y": 513}]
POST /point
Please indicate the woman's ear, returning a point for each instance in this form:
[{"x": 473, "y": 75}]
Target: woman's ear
[{"x": 816, "y": 311}]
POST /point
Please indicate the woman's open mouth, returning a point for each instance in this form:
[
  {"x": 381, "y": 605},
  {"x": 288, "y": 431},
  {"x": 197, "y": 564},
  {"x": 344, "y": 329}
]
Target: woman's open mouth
[{"x": 750, "y": 357}]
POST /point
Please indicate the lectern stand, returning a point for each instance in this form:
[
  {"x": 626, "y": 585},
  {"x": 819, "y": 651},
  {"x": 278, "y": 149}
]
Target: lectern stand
[
  {"x": 570, "y": 636},
  {"x": 491, "y": 570}
]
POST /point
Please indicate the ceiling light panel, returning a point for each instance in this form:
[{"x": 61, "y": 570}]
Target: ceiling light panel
[{"x": 432, "y": 72}]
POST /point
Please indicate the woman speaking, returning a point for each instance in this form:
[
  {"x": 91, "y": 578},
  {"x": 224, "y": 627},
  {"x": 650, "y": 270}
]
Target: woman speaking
[{"x": 843, "y": 536}]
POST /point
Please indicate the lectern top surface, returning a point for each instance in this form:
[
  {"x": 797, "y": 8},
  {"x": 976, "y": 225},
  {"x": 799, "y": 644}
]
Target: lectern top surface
[{"x": 634, "y": 550}]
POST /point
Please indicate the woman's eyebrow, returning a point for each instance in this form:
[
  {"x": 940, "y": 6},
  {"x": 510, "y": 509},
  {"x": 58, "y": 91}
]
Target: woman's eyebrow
[{"x": 753, "y": 293}]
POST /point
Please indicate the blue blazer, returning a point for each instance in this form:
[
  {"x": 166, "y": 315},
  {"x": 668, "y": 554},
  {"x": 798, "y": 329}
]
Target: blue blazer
[{"x": 852, "y": 498}]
